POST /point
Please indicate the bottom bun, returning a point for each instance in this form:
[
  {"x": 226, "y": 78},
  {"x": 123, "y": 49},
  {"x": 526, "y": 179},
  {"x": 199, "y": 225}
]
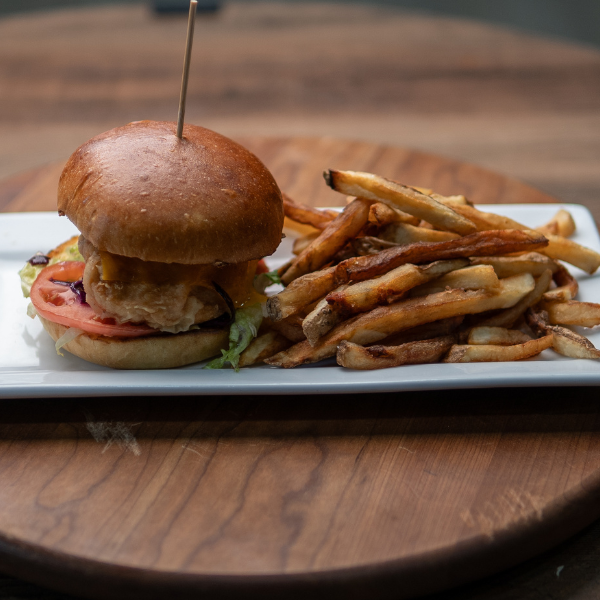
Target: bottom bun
[{"x": 151, "y": 352}]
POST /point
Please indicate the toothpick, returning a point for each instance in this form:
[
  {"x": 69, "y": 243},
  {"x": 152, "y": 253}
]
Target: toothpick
[{"x": 186, "y": 66}]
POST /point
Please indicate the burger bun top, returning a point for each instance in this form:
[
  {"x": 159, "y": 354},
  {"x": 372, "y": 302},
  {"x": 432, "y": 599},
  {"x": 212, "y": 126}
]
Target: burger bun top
[{"x": 142, "y": 192}]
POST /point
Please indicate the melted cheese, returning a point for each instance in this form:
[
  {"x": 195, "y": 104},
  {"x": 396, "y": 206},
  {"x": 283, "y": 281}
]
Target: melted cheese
[{"x": 235, "y": 279}]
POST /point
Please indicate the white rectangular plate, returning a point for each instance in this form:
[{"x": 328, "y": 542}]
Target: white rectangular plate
[{"x": 30, "y": 366}]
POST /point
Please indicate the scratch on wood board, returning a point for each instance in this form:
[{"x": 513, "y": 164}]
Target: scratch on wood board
[
  {"x": 200, "y": 454},
  {"x": 118, "y": 433}
]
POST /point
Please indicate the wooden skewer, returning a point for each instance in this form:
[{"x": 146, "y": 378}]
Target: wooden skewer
[{"x": 186, "y": 67}]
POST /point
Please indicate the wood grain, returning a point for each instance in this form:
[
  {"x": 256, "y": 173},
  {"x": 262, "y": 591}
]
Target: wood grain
[
  {"x": 252, "y": 488},
  {"x": 522, "y": 105},
  {"x": 374, "y": 495},
  {"x": 298, "y": 164}
]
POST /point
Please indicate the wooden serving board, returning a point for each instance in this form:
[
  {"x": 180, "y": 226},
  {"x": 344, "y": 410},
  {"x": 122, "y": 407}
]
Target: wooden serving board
[{"x": 354, "y": 496}]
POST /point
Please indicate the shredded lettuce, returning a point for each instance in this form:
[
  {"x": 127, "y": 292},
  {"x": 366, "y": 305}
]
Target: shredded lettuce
[
  {"x": 68, "y": 336},
  {"x": 243, "y": 330},
  {"x": 28, "y": 275},
  {"x": 29, "y": 272},
  {"x": 31, "y": 312},
  {"x": 265, "y": 280}
]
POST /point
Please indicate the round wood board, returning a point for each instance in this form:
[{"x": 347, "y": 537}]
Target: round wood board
[{"x": 356, "y": 496}]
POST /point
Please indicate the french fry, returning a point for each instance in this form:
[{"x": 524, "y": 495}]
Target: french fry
[
  {"x": 426, "y": 331},
  {"x": 478, "y": 277},
  {"x": 367, "y": 244},
  {"x": 317, "y": 218},
  {"x": 323, "y": 318},
  {"x": 508, "y": 317},
  {"x": 470, "y": 353},
  {"x": 300, "y": 293},
  {"x": 290, "y": 328},
  {"x": 353, "y": 356},
  {"x": 477, "y": 244},
  {"x": 301, "y": 243},
  {"x": 371, "y": 327},
  {"x": 381, "y": 214},
  {"x": 558, "y": 247},
  {"x": 403, "y": 276},
  {"x": 565, "y": 342},
  {"x": 450, "y": 200},
  {"x": 333, "y": 238},
  {"x": 496, "y": 336},
  {"x": 403, "y": 233},
  {"x": 561, "y": 248},
  {"x": 484, "y": 221},
  {"x": 283, "y": 268},
  {"x": 264, "y": 346},
  {"x": 567, "y": 287},
  {"x": 398, "y": 196},
  {"x": 560, "y": 224},
  {"x": 572, "y": 312},
  {"x": 388, "y": 288},
  {"x": 507, "y": 266}
]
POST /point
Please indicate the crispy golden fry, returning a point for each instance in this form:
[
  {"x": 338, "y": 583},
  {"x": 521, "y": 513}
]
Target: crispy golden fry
[
  {"x": 398, "y": 196},
  {"x": 300, "y": 293},
  {"x": 484, "y": 220},
  {"x": 416, "y": 226},
  {"x": 560, "y": 224},
  {"x": 317, "y": 218},
  {"x": 572, "y": 312},
  {"x": 558, "y": 247},
  {"x": 508, "y": 317},
  {"x": 450, "y": 200},
  {"x": 567, "y": 287},
  {"x": 290, "y": 328},
  {"x": 468, "y": 353},
  {"x": 478, "y": 277},
  {"x": 478, "y": 244},
  {"x": 321, "y": 319},
  {"x": 388, "y": 288},
  {"x": 298, "y": 228},
  {"x": 425, "y": 332},
  {"x": 353, "y": 356},
  {"x": 402, "y": 233},
  {"x": 423, "y": 190},
  {"x": 264, "y": 346},
  {"x": 332, "y": 239},
  {"x": 381, "y": 214},
  {"x": 367, "y": 244},
  {"x": 506, "y": 266},
  {"x": 301, "y": 243},
  {"x": 283, "y": 268},
  {"x": 384, "y": 321},
  {"x": 565, "y": 342},
  {"x": 497, "y": 336}
]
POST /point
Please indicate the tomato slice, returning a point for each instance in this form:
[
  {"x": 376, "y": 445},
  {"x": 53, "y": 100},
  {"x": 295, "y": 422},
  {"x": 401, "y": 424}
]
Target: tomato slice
[
  {"x": 261, "y": 267},
  {"x": 60, "y": 304}
]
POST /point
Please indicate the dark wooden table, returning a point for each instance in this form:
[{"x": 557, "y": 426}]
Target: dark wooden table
[{"x": 526, "y": 107}]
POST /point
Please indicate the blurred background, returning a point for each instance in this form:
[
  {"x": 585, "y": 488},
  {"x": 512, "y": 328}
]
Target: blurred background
[
  {"x": 513, "y": 86},
  {"x": 576, "y": 19}
]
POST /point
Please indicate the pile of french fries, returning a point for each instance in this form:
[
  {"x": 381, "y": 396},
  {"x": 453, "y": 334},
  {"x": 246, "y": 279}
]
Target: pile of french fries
[{"x": 403, "y": 275}]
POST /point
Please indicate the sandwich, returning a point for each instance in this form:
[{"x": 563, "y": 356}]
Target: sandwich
[{"x": 171, "y": 233}]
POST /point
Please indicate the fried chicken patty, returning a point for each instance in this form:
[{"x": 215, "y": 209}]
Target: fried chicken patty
[{"x": 169, "y": 307}]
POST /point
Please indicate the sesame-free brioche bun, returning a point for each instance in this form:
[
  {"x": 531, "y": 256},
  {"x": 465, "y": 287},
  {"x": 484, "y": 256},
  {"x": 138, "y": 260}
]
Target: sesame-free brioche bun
[
  {"x": 140, "y": 191},
  {"x": 165, "y": 351}
]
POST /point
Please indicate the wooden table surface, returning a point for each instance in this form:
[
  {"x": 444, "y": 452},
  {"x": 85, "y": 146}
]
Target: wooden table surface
[{"x": 522, "y": 106}]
